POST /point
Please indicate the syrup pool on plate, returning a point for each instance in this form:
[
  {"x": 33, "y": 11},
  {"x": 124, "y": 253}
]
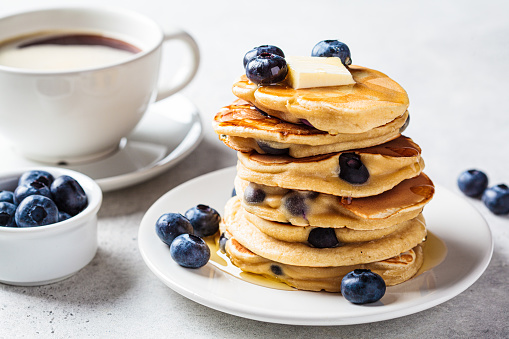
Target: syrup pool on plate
[
  {"x": 434, "y": 251},
  {"x": 222, "y": 262}
]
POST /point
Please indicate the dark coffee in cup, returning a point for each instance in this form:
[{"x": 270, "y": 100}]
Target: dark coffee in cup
[{"x": 64, "y": 51}]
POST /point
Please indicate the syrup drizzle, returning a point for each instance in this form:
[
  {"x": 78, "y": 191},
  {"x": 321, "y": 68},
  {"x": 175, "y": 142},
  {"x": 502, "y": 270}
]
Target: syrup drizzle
[
  {"x": 221, "y": 261},
  {"x": 434, "y": 251}
]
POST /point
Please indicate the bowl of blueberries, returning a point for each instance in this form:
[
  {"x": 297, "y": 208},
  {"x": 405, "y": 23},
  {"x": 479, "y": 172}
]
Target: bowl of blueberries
[{"x": 48, "y": 224}]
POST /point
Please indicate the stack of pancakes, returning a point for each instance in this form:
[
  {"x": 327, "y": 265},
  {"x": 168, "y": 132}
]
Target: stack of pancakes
[{"x": 325, "y": 182}]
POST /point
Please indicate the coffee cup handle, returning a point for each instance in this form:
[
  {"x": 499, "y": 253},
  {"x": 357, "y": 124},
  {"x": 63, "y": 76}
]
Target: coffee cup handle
[{"x": 184, "y": 75}]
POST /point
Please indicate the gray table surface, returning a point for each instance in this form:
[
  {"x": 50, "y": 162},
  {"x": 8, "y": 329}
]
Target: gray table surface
[{"x": 450, "y": 56}]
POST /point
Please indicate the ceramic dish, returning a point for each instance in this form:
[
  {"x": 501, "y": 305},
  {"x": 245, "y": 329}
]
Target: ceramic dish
[
  {"x": 167, "y": 134},
  {"x": 33, "y": 256},
  {"x": 452, "y": 219}
]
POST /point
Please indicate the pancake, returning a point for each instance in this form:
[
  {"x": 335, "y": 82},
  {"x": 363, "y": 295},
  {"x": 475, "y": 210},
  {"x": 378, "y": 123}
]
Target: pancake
[
  {"x": 243, "y": 128},
  {"x": 394, "y": 271},
  {"x": 410, "y": 234},
  {"x": 386, "y": 165},
  {"x": 373, "y": 101},
  {"x": 403, "y": 202},
  {"x": 290, "y": 233}
]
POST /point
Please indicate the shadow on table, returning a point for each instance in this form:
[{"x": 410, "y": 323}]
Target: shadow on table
[
  {"x": 103, "y": 280},
  {"x": 208, "y": 156}
]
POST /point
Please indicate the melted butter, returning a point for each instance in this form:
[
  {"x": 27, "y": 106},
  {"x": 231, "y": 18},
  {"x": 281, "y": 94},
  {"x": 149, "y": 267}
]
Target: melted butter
[
  {"x": 221, "y": 261},
  {"x": 434, "y": 252}
]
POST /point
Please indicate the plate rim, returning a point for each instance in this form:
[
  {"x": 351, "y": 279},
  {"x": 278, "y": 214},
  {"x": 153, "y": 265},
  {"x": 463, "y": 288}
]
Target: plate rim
[
  {"x": 188, "y": 144},
  {"x": 180, "y": 148},
  {"x": 294, "y": 319}
]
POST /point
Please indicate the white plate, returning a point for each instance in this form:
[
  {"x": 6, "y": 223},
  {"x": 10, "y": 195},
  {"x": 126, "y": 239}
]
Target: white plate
[
  {"x": 451, "y": 218},
  {"x": 168, "y": 132}
]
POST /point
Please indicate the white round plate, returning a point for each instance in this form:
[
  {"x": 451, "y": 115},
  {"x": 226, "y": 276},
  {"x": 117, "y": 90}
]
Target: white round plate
[
  {"x": 451, "y": 218},
  {"x": 168, "y": 132}
]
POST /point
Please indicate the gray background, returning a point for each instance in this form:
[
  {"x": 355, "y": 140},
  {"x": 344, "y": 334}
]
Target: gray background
[{"x": 451, "y": 57}]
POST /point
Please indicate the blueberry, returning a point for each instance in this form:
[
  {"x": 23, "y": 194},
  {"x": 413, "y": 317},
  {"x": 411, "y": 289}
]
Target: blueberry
[
  {"x": 68, "y": 195},
  {"x": 332, "y": 48},
  {"x": 7, "y": 196},
  {"x": 63, "y": 216},
  {"x": 276, "y": 269},
  {"x": 171, "y": 225},
  {"x": 261, "y": 112},
  {"x": 267, "y": 148},
  {"x": 36, "y": 210},
  {"x": 472, "y": 182},
  {"x": 30, "y": 176},
  {"x": 266, "y": 69},
  {"x": 306, "y": 122},
  {"x": 205, "y": 220},
  {"x": 323, "y": 238},
  {"x": 496, "y": 198},
  {"x": 7, "y": 213},
  {"x": 222, "y": 242},
  {"x": 234, "y": 192},
  {"x": 254, "y": 195},
  {"x": 35, "y": 187},
  {"x": 405, "y": 125},
  {"x": 362, "y": 286},
  {"x": 295, "y": 203},
  {"x": 262, "y": 49},
  {"x": 351, "y": 169},
  {"x": 190, "y": 251}
]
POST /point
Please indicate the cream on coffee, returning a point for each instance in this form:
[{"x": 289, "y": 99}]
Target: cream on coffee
[{"x": 64, "y": 51}]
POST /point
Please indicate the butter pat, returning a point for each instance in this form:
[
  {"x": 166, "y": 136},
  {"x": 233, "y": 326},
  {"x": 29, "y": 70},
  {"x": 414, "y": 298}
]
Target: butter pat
[{"x": 307, "y": 72}]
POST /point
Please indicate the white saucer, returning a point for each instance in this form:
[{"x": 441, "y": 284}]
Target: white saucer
[
  {"x": 451, "y": 218},
  {"x": 168, "y": 132}
]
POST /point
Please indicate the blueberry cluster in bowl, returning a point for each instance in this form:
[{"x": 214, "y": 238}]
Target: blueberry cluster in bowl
[
  {"x": 266, "y": 64},
  {"x": 41, "y": 199},
  {"x": 184, "y": 234},
  {"x": 474, "y": 183}
]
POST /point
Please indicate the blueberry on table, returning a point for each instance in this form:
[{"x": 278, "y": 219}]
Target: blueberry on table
[
  {"x": 37, "y": 175},
  {"x": 496, "y": 199},
  {"x": 262, "y": 49},
  {"x": 189, "y": 251},
  {"x": 472, "y": 182},
  {"x": 7, "y": 214},
  {"x": 267, "y": 69},
  {"x": 68, "y": 195},
  {"x": 332, "y": 48},
  {"x": 7, "y": 196},
  {"x": 351, "y": 169},
  {"x": 171, "y": 225},
  {"x": 36, "y": 210},
  {"x": 35, "y": 187},
  {"x": 361, "y": 286},
  {"x": 323, "y": 238},
  {"x": 205, "y": 220}
]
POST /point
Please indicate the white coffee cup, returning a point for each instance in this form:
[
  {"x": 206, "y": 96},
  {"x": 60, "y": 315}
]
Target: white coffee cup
[{"x": 69, "y": 116}]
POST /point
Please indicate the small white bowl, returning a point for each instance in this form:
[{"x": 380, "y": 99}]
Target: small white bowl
[{"x": 34, "y": 256}]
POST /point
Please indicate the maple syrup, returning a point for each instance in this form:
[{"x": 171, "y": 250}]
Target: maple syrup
[
  {"x": 221, "y": 261},
  {"x": 434, "y": 252}
]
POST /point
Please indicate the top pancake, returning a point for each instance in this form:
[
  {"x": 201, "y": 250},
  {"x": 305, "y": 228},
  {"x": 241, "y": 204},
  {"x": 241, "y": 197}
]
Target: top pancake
[
  {"x": 374, "y": 100},
  {"x": 242, "y": 127}
]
